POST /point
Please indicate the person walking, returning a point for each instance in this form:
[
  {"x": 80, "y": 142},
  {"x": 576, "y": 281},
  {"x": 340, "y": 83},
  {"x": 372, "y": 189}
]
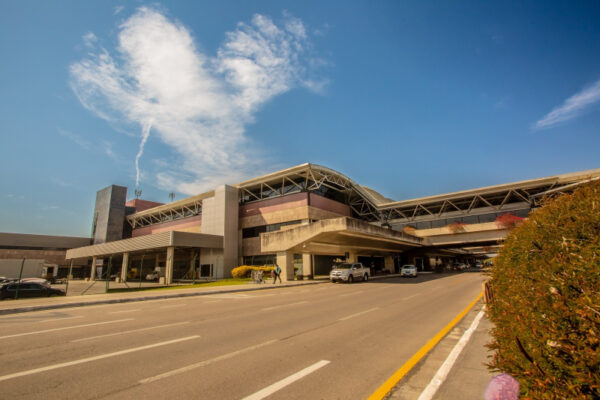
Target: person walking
[{"x": 276, "y": 274}]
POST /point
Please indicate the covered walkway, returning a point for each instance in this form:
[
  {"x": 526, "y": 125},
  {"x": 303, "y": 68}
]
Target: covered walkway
[
  {"x": 173, "y": 255},
  {"x": 345, "y": 237}
]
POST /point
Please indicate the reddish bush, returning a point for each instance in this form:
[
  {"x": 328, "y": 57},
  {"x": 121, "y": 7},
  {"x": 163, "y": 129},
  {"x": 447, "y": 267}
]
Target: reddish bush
[
  {"x": 508, "y": 221},
  {"x": 456, "y": 227},
  {"x": 409, "y": 230},
  {"x": 546, "y": 307}
]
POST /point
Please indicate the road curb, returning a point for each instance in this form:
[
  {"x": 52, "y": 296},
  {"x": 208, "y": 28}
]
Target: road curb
[{"x": 164, "y": 296}]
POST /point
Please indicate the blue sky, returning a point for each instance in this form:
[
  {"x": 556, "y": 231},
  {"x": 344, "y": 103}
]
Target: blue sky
[{"x": 411, "y": 98}]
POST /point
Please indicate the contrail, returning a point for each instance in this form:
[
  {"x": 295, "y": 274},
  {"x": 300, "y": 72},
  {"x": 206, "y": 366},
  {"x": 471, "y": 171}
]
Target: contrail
[{"x": 146, "y": 126}]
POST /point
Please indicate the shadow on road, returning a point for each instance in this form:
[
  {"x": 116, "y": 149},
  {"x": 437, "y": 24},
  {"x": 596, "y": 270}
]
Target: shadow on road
[{"x": 423, "y": 277}]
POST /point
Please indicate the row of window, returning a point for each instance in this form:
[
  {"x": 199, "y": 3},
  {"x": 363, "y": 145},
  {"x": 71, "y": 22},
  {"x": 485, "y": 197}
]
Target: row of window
[{"x": 257, "y": 230}]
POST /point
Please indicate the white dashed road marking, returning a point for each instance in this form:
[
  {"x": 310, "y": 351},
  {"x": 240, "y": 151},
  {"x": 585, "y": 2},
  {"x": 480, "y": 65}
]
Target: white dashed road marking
[
  {"x": 89, "y": 359},
  {"x": 358, "y": 313},
  {"x": 64, "y": 328},
  {"x": 129, "y": 331},
  {"x": 269, "y": 390},
  {"x": 205, "y": 362}
]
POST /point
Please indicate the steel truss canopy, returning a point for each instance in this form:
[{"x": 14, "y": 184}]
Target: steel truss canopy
[
  {"x": 371, "y": 206},
  {"x": 313, "y": 178},
  {"x": 523, "y": 195},
  {"x": 368, "y": 205},
  {"x": 184, "y": 208}
]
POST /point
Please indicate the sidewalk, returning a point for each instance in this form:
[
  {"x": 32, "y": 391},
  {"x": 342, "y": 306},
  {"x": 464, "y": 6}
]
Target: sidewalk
[
  {"x": 50, "y": 303},
  {"x": 468, "y": 376}
]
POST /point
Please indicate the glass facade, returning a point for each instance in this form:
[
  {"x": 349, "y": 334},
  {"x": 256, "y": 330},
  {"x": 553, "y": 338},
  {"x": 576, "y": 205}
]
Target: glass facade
[{"x": 257, "y": 230}]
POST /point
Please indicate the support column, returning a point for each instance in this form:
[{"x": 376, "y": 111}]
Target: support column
[
  {"x": 353, "y": 257},
  {"x": 93, "y": 272},
  {"x": 307, "y": 266},
  {"x": 389, "y": 263},
  {"x": 124, "y": 266},
  {"x": 169, "y": 265},
  {"x": 285, "y": 260}
]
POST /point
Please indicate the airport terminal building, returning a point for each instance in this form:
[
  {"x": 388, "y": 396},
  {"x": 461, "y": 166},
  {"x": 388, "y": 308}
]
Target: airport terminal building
[{"x": 303, "y": 218}]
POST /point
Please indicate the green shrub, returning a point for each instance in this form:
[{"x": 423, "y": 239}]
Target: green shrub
[
  {"x": 546, "y": 306},
  {"x": 245, "y": 271}
]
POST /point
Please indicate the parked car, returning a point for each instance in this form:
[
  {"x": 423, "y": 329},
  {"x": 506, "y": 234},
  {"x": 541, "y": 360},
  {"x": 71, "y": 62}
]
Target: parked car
[
  {"x": 408, "y": 270},
  {"x": 459, "y": 266},
  {"x": 156, "y": 274},
  {"x": 29, "y": 289},
  {"x": 349, "y": 272}
]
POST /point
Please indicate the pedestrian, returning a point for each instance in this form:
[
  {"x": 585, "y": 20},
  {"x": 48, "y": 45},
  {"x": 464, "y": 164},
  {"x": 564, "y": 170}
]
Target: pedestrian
[{"x": 276, "y": 274}]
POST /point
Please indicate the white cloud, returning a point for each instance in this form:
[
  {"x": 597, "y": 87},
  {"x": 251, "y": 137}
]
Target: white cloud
[
  {"x": 108, "y": 150},
  {"x": 89, "y": 39},
  {"x": 572, "y": 107},
  {"x": 118, "y": 9},
  {"x": 198, "y": 105},
  {"x": 74, "y": 138},
  {"x": 61, "y": 183}
]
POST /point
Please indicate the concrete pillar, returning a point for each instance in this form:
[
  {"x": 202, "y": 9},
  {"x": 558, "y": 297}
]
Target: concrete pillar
[
  {"x": 307, "y": 267},
  {"x": 389, "y": 263},
  {"x": 220, "y": 216},
  {"x": 93, "y": 272},
  {"x": 285, "y": 260},
  {"x": 169, "y": 265},
  {"x": 353, "y": 257},
  {"x": 124, "y": 266}
]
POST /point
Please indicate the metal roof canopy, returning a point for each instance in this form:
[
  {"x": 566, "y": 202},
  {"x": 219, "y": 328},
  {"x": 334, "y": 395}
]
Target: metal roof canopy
[
  {"x": 148, "y": 242},
  {"x": 371, "y": 206}
]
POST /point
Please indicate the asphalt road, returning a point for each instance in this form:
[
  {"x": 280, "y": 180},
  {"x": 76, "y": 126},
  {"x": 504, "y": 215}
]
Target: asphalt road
[{"x": 328, "y": 341}]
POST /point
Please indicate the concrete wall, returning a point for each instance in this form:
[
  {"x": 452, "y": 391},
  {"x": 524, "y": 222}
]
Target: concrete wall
[
  {"x": 190, "y": 224},
  {"x": 325, "y": 204},
  {"x": 142, "y": 205},
  {"x": 49, "y": 256},
  {"x": 220, "y": 216},
  {"x": 31, "y": 268},
  {"x": 292, "y": 207},
  {"x": 109, "y": 214},
  {"x": 214, "y": 257}
]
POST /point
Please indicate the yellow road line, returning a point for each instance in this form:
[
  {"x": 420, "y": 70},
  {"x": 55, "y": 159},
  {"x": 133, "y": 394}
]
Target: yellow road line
[{"x": 384, "y": 389}]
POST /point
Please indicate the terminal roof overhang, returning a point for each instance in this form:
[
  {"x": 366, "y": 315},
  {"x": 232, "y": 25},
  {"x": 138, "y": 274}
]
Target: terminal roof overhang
[
  {"x": 148, "y": 243},
  {"x": 371, "y": 206}
]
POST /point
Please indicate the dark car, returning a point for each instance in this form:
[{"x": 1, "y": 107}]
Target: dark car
[{"x": 28, "y": 289}]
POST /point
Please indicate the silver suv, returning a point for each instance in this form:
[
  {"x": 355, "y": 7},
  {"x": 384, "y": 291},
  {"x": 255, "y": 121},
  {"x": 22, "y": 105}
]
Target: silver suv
[{"x": 349, "y": 272}]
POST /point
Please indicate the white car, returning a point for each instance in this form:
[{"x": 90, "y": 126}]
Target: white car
[
  {"x": 408, "y": 270},
  {"x": 349, "y": 272}
]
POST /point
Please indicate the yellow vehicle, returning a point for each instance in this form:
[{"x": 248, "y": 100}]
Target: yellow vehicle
[{"x": 132, "y": 273}]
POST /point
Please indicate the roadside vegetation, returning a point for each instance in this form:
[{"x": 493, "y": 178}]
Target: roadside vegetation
[
  {"x": 220, "y": 282},
  {"x": 545, "y": 287},
  {"x": 245, "y": 271}
]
